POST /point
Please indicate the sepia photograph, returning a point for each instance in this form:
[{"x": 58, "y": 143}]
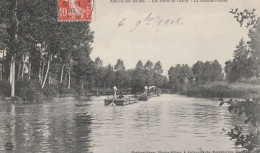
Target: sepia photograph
[{"x": 129, "y": 76}]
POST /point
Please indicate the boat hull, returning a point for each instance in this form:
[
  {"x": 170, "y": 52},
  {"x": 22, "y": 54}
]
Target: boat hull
[
  {"x": 143, "y": 98},
  {"x": 120, "y": 102}
]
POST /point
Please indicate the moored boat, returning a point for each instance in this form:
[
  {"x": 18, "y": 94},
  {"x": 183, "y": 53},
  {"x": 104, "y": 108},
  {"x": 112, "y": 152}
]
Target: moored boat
[
  {"x": 119, "y": 101},
  {"x": 143, "y": 97}
]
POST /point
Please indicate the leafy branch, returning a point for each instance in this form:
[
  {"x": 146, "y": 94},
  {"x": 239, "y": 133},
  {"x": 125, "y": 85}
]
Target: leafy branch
[
  {"x": 251, "y": 110},
  {"x": 247, "y": 16}
]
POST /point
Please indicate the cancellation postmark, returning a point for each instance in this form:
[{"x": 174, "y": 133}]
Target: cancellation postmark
[{"x": 75, "y": 10}]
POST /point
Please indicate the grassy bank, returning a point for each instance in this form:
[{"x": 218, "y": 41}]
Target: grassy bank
[{"x": 222, "y": 90}]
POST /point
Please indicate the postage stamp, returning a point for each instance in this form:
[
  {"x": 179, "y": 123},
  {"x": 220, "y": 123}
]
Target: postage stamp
[{"x": 75, "y": 10}]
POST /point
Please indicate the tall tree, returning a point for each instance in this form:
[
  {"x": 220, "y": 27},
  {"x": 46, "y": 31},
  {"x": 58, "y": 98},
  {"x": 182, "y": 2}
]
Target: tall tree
[
  {"x": 242, "y": 65},
  {"x": 158, "y": 68},
  {"x": 149, "y": 73},
  {"x": 138, "y": 78},
  {"x": 251, "y": 21},
  {"x": 119, "y": 71}
]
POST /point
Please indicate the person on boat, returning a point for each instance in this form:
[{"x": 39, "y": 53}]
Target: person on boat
[
  {"x": 115, "y": 90},
  {"x": 145, "y": 90}
]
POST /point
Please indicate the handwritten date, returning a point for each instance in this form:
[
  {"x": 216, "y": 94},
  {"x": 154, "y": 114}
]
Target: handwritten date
[{"x": 157, "y": 22}]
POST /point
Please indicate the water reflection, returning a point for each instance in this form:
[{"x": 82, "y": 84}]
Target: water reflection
[{"x": 169, "y": 123}]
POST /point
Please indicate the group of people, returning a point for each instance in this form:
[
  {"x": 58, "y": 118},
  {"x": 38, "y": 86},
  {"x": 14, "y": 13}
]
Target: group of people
[{"x": 146, "y": 89}]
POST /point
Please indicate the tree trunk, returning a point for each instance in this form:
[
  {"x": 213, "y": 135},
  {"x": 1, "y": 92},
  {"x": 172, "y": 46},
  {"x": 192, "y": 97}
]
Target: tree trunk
[
  {"x": 12, "y": 76},
  {"x": 47, "y": 71},
  {"x": 19, "y": 70},
  {"x": 82, "y": 85},
  {"x": 40, "y": 73},
  {"x": 42, "y": 70},
  {"x": 29, "y": 68},
  {"x": 23, "y": 63},
  {"x": 12, "y": 70},
  {"x": 61, "y": 75},
  {"x": 49, "y": 79},
  {"x": 69, "y": 77}
]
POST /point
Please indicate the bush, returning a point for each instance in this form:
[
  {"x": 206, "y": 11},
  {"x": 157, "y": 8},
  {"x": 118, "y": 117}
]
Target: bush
[
  {"x": 2, "y": 96},
  {"x": 29, "y": 90},
  {"x": 5, "y": 89},
  {"x": 50, "y": 91},
  {"x": 63, "y": 89}
]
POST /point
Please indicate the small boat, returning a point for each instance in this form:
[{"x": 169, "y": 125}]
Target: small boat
[
  {"x": 108, "y": 101},
  {"x": 143, "y": 97},
  {"x": 119, "y": 101}
]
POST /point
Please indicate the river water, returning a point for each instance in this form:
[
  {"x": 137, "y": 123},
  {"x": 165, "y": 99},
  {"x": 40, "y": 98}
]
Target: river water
[{"x": 165, "y": 123}]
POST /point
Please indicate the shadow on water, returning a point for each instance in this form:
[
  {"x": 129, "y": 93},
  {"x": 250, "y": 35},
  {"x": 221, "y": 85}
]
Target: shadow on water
[{"x": 52, "y": 127}]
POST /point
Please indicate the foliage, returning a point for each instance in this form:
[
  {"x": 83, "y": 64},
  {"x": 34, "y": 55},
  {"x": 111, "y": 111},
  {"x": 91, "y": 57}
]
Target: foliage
[
  {"x": 250, "y": 57},
  {"x": 179, "y": 76},
  {"x": 250, "y": 109},
  {"x": 43, "y": 49},
  {"x": 105, "y": 77},
  {"x": 207, "y": 72},
  {"x": 242, "y": 65},
  {"x": 252, "y": 81},
  {"x": 62, "y": 89},
  {"x": 50, "y": 91},
  {"x": 29, "y": 90},
  {"x": 214, "y": 91},
  {"x": 5, "y": 88}
]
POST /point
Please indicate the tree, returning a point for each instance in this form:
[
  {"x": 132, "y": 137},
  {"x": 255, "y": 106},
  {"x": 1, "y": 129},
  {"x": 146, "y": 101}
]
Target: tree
[
  {"x": 198, "y": 70},
  {"x": 148, "y": 67},
  {"x": 119, "y": 65},
  {"x": 110, "y": 75},
  {"x": 98, "y": 75},
  {"x": 254, "y": 44},
  {"x": 180, "y": 76},
  {"x": 139, "y": 65},
  {"x": 158, "y": 68},
  {"x": 216, "y": 71},
  {"x": 252, "y": 23},
  {"x": 242, "y": 65},
  {"x": 158, "y": 78},
  {"x": 138, "y": 78},
  {"x": 173, "y": 73},
  {"x": 119, "y": 72}
]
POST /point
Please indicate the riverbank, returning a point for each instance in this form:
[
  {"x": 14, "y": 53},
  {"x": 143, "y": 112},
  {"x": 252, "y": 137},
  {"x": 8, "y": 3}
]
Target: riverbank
[{"x": 222, "y": 90}]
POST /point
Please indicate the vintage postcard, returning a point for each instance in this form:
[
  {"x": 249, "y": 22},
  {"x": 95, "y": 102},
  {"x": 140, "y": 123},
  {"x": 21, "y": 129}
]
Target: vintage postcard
[{"x": 130, "y": 76}]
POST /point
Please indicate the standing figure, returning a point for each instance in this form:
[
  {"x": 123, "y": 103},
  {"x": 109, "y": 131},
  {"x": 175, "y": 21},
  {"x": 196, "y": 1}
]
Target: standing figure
[
  {"x": 145, "y": 90},
  {"x": 115, "y": 90}
]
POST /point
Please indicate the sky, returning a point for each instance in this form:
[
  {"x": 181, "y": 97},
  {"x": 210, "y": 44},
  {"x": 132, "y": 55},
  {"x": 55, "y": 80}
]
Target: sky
[{"x": 188, "y": 31}]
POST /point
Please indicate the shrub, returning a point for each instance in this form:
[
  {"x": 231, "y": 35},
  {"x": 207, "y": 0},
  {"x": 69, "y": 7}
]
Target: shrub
[
  {"x": 5, "y": 88},
  {"x": 63, "y": 89},
  {"x": 50, "y": 91},
  {"x": 29, "y": 90}
]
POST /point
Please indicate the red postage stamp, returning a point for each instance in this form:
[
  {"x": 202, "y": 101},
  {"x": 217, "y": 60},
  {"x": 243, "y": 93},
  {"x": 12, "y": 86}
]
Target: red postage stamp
[{"x": 74, "y": 10}]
